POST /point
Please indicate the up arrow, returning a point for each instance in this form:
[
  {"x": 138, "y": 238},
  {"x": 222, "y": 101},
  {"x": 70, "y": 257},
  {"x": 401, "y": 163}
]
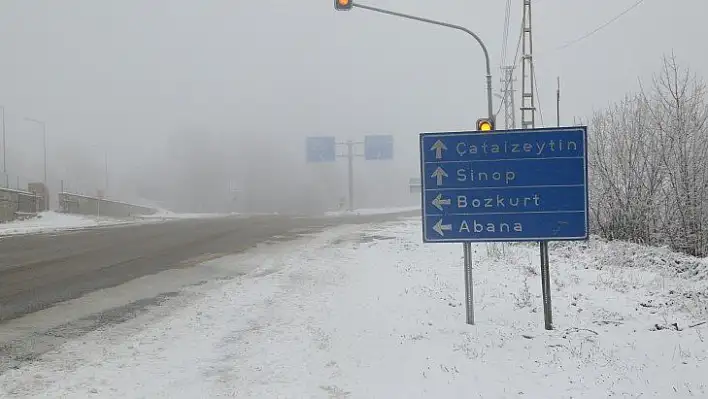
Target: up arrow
[
  {"x": 438, "y": 202},
  {"x": 438, "y": 147},
  {"x": 440, "y": 228},
  {"x": 439, "y": 174}
]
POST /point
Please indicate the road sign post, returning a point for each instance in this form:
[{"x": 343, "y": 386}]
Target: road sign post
[
  {"x": 323, "y": 149},
  {"x": 350, "y": 174},
  {"x": 504, "y": 186}
]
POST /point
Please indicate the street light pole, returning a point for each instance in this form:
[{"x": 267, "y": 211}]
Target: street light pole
[
  {"x": 490, "y": 107},
  {"x": 44, "y": 137},
  {"x": 4, "y": 150},
  {"x": 466, "y": 247},
  {"x": 105, "y": 164}
]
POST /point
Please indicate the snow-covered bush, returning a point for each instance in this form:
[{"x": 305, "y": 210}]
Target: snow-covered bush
[{"x": 649, "y": 164}]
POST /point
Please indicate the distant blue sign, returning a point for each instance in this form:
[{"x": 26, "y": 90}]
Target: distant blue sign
[
  {"x": 321, "y": 149},
  {"x": 505, "y": 185},
  {"x": 378, "y": 147}
]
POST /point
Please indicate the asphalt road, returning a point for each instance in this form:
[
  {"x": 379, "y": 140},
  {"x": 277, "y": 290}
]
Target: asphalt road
[
  {"x": 55, "y": 287},
  {"x": 38, "y": 271}
]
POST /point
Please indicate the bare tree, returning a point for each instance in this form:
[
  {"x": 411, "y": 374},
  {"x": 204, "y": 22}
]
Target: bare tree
[
  {"x": 626, "y": 174},
  {"x": 649, "y": 176},
  {"x": 679, "y": 115}
]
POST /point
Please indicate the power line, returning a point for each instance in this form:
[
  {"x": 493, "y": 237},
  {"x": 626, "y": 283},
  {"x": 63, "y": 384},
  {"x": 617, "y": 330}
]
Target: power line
[
  {"x": 603, "y": 26},
  {"x": 538, "y": 97},
  {"x": 505, "y": 35},
  {"x": 514, "y": 65}
]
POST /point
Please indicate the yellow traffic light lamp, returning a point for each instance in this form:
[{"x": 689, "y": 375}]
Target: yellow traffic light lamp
[
  {"x": 485, "y": 124},
  {"x": 343, "y": 5}
]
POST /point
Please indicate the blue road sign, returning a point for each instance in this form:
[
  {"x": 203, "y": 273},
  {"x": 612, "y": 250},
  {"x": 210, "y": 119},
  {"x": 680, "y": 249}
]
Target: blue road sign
[
  {"x": 505, "y": 185},
  {"x": 321, "y": 149},
  {"x": 378, "y": 147}
]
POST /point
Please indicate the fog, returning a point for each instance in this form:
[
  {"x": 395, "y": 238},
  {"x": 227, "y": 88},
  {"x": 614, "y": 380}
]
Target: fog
[{"x": 191, "y": 103}]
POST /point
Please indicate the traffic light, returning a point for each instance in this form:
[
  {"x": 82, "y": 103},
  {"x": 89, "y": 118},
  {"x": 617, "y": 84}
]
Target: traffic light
[
  {"x": 485, "y": 124},
  {"x": 342, "y": 5}
]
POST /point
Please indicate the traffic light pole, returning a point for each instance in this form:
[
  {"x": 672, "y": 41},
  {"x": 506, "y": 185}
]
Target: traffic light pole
[
  {"x": 466, "y": 247},
  {"x": 490, "y": 107}
]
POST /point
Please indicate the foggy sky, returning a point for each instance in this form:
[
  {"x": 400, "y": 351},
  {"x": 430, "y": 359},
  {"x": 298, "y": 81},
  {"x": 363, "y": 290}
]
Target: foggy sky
[{"x": 123, "y": 77}]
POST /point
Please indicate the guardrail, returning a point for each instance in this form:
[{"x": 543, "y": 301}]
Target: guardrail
[
  {"x": 19, "y": 204},
  {"x": 87, "y": 205}
]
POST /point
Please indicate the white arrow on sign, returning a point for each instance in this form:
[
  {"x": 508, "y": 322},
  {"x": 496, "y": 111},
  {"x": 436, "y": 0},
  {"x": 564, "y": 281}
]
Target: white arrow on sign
[
  {"x": 439, "y": 174},
  {"x": 440, "y": 228},
  {"x": 438, "y": 147},
  {"x": 438, "y": 202}
]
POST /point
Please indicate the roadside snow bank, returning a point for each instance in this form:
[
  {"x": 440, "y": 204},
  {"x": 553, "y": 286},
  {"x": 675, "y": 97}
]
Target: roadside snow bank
[
  {"x": 374, "y": 313},
  {"x": 374, "y": 211},
  {"x": 164, "y": 214},
  {"x": 54, "y": 221}
]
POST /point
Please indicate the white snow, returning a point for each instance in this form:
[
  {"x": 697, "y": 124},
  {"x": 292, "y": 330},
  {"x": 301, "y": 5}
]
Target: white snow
[
  {"x": 374, "y": 211},
  {"x": 373, "y": 313},
  {"x": 164, "y": 214},
  {"x": 51, "y": 221}
]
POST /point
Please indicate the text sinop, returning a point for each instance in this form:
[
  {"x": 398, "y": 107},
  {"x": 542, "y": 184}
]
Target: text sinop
[{"x": 507, "y": 176}]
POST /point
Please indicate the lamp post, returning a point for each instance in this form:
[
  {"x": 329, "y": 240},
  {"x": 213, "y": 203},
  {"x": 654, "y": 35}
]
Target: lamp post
[{"x": 44, "y": 137}]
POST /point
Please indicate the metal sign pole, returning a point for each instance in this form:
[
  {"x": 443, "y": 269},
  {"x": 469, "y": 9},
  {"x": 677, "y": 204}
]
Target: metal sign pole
[
  {"x": 546, "y": 286},
  {"x": 350, "y": 173},
  {"x": 469, "y": 284}
]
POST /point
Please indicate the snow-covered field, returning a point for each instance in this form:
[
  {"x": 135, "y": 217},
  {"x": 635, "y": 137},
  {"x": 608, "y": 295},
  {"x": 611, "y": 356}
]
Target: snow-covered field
[
  {"x": 54, "y": 221},
  {"x": 374, "y": 313}
]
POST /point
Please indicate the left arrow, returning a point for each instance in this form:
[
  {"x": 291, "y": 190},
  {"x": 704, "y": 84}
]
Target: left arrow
[
  {"x": 438, "y": 202},
  {"x": 439, "y": 174},
  {"x": 441, "y": 228}
]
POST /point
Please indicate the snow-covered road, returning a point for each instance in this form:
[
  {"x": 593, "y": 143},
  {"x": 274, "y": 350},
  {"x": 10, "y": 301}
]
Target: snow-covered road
[
  {"x": 374, "y": 313},
  {"x": 50, "y": 221}
]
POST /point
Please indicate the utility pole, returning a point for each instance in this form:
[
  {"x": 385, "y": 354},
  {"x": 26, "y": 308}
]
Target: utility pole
[
  {"x": 507, "y": 96},
  {"x": 528, "y": 121},
  {"x": 528, "y": 105}
]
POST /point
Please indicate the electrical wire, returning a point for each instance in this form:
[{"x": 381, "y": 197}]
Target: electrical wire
[
  {"x": 513, "y": 68},
  {"x": 538, "y": 97},
  {"x": 603, "y": 26},
  {"x": 505, "y": 35}
]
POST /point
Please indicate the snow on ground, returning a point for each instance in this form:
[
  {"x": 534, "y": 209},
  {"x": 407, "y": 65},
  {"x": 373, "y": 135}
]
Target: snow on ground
[
  {"x": 54, "y": 221},
  {"x": 374, "y": 313},
  {"x": 164, "y": 214},
  {"x": 374, "y": 211}
]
